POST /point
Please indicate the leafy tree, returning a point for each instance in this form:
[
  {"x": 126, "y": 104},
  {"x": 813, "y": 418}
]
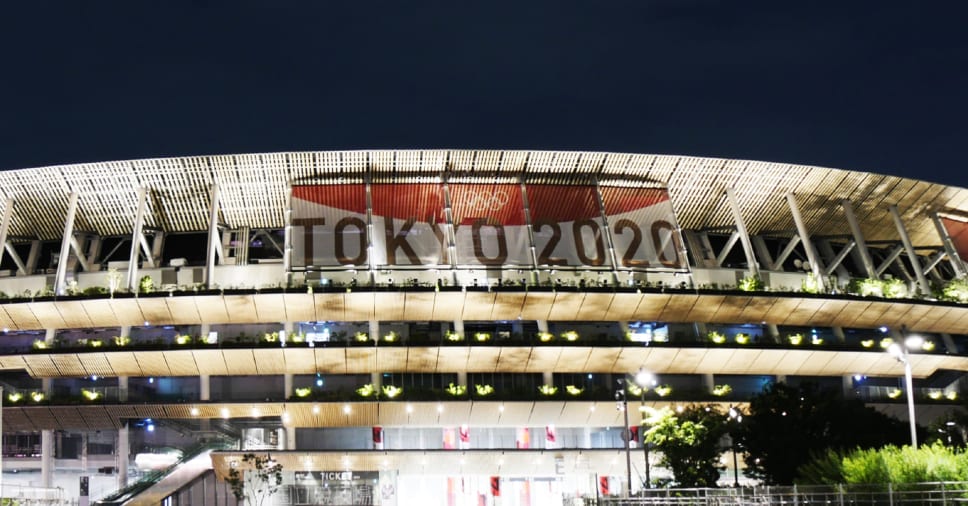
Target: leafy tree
[
  {"x": 689, "y": 442},
  {"x": 262, "y": 477},
  {"x": 890, "y": 464},
  {"x": 951, "y": 430},
  {"x": 787, "y": 426}
]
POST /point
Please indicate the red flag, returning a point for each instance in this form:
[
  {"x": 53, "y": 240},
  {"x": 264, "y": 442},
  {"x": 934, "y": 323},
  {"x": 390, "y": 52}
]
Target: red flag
[
  {"x": 465, "y": 434},
  {"x": 551, "y": 435},
  {"x": 603, "y": 484},
  {"x": 496, "y": 486}
]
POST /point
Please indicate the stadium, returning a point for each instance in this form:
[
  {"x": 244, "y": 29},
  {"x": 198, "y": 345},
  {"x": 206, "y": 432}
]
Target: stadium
[{"x": 459, "y": 326}]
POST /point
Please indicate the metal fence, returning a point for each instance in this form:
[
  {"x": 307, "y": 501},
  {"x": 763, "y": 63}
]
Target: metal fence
[
  {"x": 23, "y": 495},
  {"x": 941, "y": 493}
]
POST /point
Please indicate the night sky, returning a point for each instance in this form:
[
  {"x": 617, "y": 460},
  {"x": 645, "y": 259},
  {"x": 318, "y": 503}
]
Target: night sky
[{"x": 873, "y": 86}]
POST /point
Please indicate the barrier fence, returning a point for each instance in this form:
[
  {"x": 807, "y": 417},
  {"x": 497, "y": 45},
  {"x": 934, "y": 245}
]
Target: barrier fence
[{"x": 940, "y": 493}]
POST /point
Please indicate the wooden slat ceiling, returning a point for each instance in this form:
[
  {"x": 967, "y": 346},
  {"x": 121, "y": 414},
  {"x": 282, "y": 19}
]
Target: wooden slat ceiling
[
  {"x": 805, "y": 360},
  {"x": 253, "y": 188},
  {"x": 332, "y": 414},
  {"x": 918, "y": 316}
]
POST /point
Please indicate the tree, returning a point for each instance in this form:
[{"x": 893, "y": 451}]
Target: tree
[
  {"x": 787, "y": 426},
  {"x": 689, "y": 442},
  {"x": 261, "y": 477},
  {"x": 929, "y": 463}
]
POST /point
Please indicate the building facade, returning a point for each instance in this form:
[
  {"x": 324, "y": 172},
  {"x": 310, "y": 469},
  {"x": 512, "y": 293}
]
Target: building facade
[{"x": 403, "y": 327}]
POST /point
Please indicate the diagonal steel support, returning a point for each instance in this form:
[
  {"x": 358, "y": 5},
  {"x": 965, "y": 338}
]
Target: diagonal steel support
[
  {"x": 812, "y": 255},
  {"x": 733, "y": 239},
  {"x": 214, "y": 241},
  {"x": 752, "y": 267},
  {"x": 912, "y": 255},
  {"x": 5, "y": 226},
  {"x": 840, "y": 257},
  {"x": 136, "y": 234},
  {"x": 865, "y": 255},
  {"x": 891, "y": 257},
  {"x": 65, "y": 250}
]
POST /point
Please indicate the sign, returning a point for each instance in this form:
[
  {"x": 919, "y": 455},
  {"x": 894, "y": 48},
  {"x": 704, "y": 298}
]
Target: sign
[
  {"x": 958, "y": 231},
  {"x": 568, "y": 226},
  {"x": 643, "y": 227},
  {"x": 489, "y": 224},
  {"x": 408, "y": 225}
]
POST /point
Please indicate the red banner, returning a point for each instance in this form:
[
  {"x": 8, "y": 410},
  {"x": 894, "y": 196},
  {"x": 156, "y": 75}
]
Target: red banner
[
  {"x": 567, "y": 224},
  {"x": 551, "y": 435},
  {"x": 522, "y": 440},
  {"x": 407, "y": 225},
  {"x": 496, "y": 486},
  {"x": 958, "y": 231},
  {"x": 377, "y": 437},
  {"x": 643, "y": 227},
  {"x": 490, "y": 227}
]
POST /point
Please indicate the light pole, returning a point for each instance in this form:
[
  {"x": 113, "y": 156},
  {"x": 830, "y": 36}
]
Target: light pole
[
  {"x": 643, "y": 379},
  {"x": 900, "y": 352},
  {"x": 622, "y": 395},
  {"x": 737, "y": 417}
]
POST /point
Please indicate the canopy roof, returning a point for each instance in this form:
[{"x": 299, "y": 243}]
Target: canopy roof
[{"x": 254, "y": 187}]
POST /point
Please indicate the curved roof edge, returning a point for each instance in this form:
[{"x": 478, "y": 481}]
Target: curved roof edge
[{"x": 253, "y": 188}]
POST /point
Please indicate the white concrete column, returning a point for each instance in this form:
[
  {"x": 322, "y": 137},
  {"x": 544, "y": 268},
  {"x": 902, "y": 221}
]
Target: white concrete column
[
  {"x": 290, "y": 437},
  {"x": 459, "y": 328},
  {"x": 708, "y": 382},
  {"x": 289, "y": 329},
  {"x": 46, "y": 458},
  {"x": 122, "y": 388},
  {"x": 462, "y": 378},
  {"x": 548, "y": 378},
  {"x": 49, "y": 335},
  {"x": 542, "y": 325},
  {"x": 84, "y": 452},
  {"x": 781, "y": 378},
  {"x": 376, "y": 378},
  {"x": 203, "y": 331},
  {"x": 847, "y": 383},
  {"x": 287, "y": 386},
  {"x": 773, "y": 331},
  {"x": 586, "y": 437},
  {"x": 123, "y": 454},
  {"x": 204, "y": 387},
  {"x": 839, "y": 334}
]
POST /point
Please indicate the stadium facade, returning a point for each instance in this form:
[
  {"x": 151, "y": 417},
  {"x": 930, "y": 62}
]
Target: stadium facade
[{"x": 404, "y": 327}]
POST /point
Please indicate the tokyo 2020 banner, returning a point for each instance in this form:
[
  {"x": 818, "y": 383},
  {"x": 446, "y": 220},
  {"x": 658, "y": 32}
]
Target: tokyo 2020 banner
[
  {"x": 958, "y": 231},
  {"x": 408, "y": 225}
]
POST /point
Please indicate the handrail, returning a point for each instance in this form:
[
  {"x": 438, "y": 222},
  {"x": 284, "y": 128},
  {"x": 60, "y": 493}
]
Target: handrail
[{"x": 121, "y": 495}]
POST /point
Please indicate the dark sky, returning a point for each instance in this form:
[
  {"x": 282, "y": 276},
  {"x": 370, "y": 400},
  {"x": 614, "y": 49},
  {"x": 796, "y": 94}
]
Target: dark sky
[{"x": 875, "y": 86}]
